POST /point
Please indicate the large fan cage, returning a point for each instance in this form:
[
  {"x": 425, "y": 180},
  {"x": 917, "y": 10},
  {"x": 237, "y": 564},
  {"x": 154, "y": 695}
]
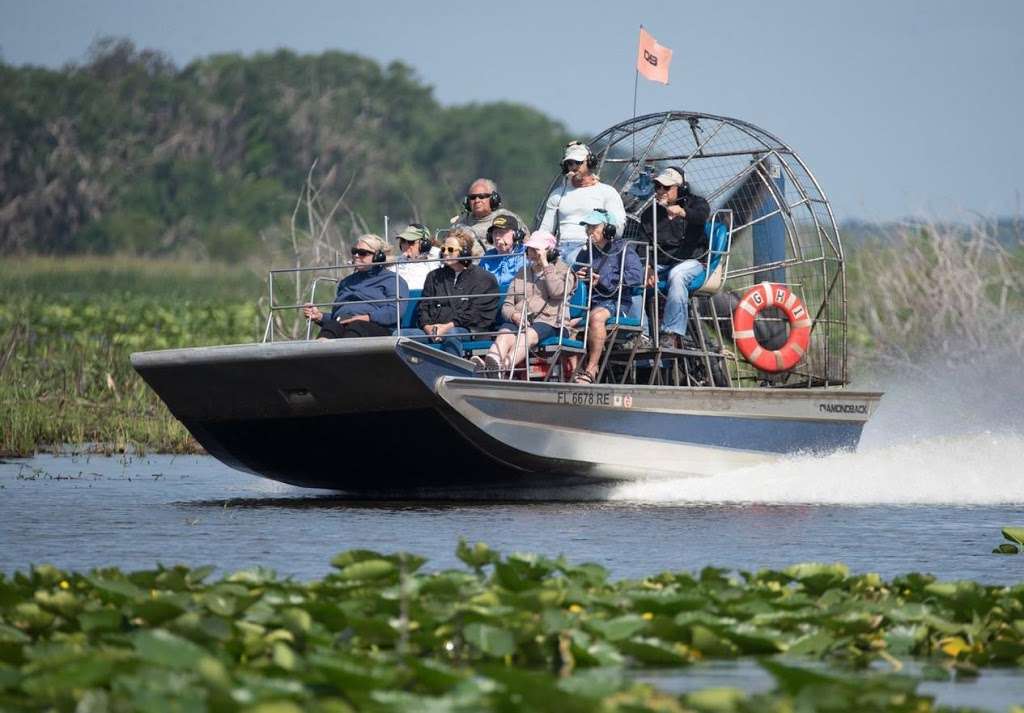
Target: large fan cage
[{"x": 772, "y": 197}]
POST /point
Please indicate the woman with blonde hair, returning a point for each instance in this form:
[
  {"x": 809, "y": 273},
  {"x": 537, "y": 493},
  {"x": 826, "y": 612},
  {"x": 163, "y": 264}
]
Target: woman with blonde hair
[{"x": 366, "y": 303}]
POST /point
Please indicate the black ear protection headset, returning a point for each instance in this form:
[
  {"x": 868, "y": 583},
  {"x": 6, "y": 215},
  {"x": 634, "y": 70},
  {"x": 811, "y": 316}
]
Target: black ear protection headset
[
  {"x": 591, "y": 158},
  {"x": 425, "y": 241},
  {"x": 609, "y": 228},
  {"x": 495, "y": 201},
  {"x": 380, "y": 256},
  {"x": 686, "y": 185},
  {"x": 552, "y": 255},
  {"x": 518, "y": 235}
]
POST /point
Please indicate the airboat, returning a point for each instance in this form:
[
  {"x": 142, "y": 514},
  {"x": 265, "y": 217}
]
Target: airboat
[{"x": 764, "y": 376}]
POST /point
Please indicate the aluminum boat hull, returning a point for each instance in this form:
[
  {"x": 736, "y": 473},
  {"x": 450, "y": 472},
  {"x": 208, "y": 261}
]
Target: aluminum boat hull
[{"x": 387, "y": 413}]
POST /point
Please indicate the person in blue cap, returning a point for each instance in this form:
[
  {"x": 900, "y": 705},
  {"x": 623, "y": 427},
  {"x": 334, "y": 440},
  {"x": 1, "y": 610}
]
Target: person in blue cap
[{"x": 612, "y": 269}]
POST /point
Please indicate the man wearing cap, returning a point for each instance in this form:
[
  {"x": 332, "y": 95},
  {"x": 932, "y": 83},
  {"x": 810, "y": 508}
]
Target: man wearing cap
[
  {"x": 680, "y": 217},
  {"x": 416, "y": 246},
  {"x": 483, "y": 205},
  {"x": 505, "y": 259},
  {"x": 580, "y": 192},
  {"x": 612, "y": 268}
]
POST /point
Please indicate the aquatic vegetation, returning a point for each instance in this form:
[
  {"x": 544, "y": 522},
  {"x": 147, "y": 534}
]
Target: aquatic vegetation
[
  {"x": 1015, "y": 535},
  {"x": 66, "y": 332},
  {"x": 515, "y": 632}
]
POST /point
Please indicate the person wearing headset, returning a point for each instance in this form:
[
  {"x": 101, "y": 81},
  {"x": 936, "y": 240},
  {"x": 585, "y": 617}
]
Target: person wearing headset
[
  {"x": 459, "y": 298},
  {"x": 416, "y": 247},
  {"x": 580, "y": 192},
  {"x": 533, "y": 308},
  {"x": 365, "y": 303},
  {"x": 482, "y": 205},
  {"x": 682, "y": 243},
  {"x": 611, "y": 276},
  {"x": 505, "y": 259}
]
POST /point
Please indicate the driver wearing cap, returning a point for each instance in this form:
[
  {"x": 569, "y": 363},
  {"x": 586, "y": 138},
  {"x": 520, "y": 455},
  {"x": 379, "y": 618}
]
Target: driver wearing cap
[
  {"x": 580, "y": 193},
  {"x": 680, "y": 217}
]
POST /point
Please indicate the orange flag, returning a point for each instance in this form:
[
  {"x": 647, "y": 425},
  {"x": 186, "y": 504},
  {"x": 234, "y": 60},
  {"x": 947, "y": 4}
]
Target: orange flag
[{"x": 652, "y": 60}]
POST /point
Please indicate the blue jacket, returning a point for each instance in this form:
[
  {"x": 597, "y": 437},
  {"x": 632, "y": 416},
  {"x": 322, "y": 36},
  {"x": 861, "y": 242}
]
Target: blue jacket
[
  {"x": 503, "y": 267},
  {"x": 373, "y": 284},
  {"x": 608, "y": 264}
]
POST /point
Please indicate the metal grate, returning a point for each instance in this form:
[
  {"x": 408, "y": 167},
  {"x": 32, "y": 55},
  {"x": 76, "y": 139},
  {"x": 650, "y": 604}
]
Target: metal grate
[{"x": 739, "y": 166}]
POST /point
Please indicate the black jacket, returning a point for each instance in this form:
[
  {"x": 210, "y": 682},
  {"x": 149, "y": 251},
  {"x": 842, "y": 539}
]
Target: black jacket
[
  {"x": 474, "y": 313},
  {"x": 682, "y": 238}
]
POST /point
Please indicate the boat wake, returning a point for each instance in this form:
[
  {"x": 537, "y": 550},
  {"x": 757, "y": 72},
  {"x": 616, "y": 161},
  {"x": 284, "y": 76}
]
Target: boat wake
[
  {"x": 976, "y": 469},
  {"x": 942, "y": 437}
]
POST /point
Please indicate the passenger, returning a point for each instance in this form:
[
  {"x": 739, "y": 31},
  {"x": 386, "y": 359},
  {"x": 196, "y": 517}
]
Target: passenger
[
  {"x": 444, "y": 322},
  {"x": 416, "y": 246},
  {"x": 580, "y": 192},
  {"x": 682, "y": 243},
  {"x": 505, "y": 259},
  {"x": 611, "y": 292},
  {"x": 365, "y": 304},
  {"x": 533, "y": 306},
  {"x": 483, "y": 205}
]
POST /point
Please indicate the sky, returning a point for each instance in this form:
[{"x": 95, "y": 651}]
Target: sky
[{"x": 901, "y": 108}]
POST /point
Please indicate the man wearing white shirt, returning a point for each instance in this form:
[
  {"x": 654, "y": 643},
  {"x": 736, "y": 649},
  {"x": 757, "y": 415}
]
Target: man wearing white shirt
[
  {"x": 580, "y": 192},
  {"x": 416, "y": 246}
]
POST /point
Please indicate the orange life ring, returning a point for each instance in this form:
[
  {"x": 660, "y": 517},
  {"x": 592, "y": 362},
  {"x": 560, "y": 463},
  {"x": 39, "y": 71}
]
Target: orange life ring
[{"x": 758, "y": 297}]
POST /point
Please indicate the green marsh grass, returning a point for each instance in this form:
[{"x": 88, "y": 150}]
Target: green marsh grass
[{"x": 68, "y": 326}]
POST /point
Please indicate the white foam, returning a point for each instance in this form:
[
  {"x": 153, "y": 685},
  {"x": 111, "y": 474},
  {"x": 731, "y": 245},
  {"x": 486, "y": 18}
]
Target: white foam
[{"x": 978, "y": 469}]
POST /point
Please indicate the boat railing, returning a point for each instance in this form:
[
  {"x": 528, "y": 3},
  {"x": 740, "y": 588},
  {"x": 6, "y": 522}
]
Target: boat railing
[
  {"x": 543, "y": 360},
  {"x": 472, "y": 339}
]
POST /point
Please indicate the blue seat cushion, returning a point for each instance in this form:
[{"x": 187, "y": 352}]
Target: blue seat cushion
[
  {"x": 409, "y": 314},
  {"x": 553, "y": 342}
]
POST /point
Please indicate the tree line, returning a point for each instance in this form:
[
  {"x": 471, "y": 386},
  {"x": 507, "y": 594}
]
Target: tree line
[{"x": 126, "y": 152}]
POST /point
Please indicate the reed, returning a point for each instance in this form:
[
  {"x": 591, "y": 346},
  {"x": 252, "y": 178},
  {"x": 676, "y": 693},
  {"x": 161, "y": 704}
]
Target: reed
[{"x": 67, "y": 328}]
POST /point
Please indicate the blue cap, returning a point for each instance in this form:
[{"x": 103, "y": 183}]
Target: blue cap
[{"x": 596, "y": 217}]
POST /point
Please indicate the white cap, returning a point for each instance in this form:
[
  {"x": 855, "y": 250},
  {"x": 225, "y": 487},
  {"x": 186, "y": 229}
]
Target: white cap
[
  {"x": 576, "y": 151},
  {"x": 669, "y": 177}
]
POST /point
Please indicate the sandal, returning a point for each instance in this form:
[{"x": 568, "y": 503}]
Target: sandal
[{"x": 582, "y": 376}]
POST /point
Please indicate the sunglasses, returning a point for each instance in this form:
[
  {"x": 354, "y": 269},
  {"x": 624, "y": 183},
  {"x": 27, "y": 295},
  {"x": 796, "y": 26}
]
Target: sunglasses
[
  {"x": 360, "y": 252},
  {"x": 661, "y": 187},
  {"x": 572, "y": 164},
  {"x": 450, "y": 250},
  {"x": 477, "y": 196}
]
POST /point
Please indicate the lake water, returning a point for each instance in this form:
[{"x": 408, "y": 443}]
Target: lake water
[
  {"x": 928, "y": 503},
  {"x": 939, "y": 472}
]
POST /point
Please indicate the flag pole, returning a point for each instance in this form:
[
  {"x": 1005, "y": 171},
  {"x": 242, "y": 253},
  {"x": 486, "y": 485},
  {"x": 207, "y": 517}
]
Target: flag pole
[{"x": 636, "y": 83}]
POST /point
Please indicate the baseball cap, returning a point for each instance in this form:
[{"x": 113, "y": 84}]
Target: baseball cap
[
  {"x": 576, "y": 151},
  {"x": 669, "y": 177},
  {"x": 596, "y": 217},
  {"x": 541, "y": 240},
  {"x": 504, "y": 222},
  {"x": 414, "y": 233}
]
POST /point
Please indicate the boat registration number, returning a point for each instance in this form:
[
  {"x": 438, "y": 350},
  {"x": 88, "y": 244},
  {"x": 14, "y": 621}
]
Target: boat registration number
[{"x": 594, "y": 398}]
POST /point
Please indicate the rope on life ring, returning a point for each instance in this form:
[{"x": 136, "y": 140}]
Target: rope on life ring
[{"x": 759, "y": 297}]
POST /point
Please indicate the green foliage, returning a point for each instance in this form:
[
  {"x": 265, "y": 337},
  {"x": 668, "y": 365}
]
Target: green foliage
[
  {"x": 66, "y": 332},
  {"x": 127, "y": 152},
  {"x": 560, "y": 640}
]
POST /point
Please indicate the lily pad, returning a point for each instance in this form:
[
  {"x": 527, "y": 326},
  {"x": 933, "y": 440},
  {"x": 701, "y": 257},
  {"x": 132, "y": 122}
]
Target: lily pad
[{"x": 1014, "y": 534}]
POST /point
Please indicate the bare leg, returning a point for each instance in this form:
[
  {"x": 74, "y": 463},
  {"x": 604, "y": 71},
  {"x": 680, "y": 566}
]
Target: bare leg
[
  {"x": 596, "y": 336},
  {"x": 502, "y": 345},
  {"x": 522, "y": 346}
]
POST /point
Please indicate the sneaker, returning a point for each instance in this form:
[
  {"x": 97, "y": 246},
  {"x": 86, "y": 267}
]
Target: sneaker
[
  {"x": 479, "y": 366},
  {"x": 492, "y": 367}
]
